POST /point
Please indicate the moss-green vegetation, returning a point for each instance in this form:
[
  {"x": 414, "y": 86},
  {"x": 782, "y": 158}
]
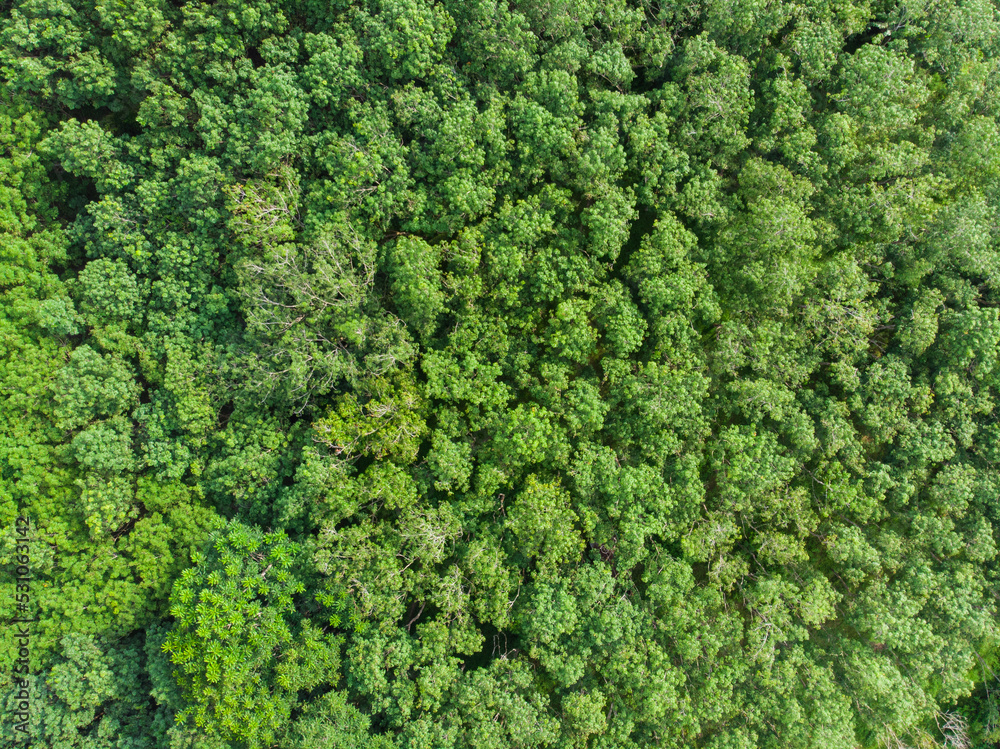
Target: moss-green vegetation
[{"x": 502, "y": 374}]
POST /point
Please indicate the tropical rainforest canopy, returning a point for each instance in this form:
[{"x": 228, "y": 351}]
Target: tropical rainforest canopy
[{"x": 502, "y": 374}]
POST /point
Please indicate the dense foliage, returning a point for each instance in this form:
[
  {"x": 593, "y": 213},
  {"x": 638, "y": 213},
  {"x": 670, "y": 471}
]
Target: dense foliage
[{"x": 500, "y": 374}]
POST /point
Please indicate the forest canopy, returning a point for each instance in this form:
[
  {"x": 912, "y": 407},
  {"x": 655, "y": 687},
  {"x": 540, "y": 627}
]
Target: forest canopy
[{"x": 501, "y": 374}]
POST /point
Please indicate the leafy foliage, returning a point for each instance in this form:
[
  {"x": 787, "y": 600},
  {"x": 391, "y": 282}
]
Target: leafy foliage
[{"x": 400, "y": 373}]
